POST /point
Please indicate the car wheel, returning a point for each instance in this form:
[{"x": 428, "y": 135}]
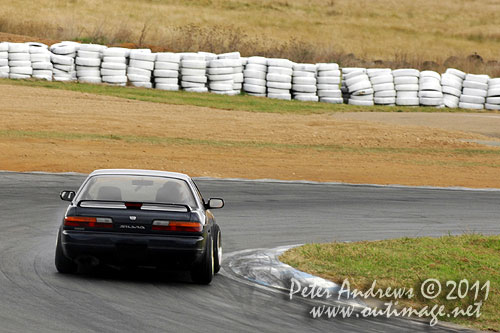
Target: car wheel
[
  {"x": 204, "y": 271},
  {"x": 63, "y": 264},
  {"x": 217, "y": 249}
]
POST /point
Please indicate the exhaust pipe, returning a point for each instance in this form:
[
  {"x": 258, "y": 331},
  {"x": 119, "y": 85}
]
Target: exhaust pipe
[{"x": 87, "y": 261}]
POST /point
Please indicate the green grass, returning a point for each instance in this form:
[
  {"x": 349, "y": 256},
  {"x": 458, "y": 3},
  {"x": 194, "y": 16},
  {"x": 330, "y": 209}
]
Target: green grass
[
  {"x": 241, "y": 102},
  {"x": 407, "y": 262}
]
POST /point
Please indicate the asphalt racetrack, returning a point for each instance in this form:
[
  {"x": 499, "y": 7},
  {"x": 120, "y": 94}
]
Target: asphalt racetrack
[{"x": 35, "y": 298}]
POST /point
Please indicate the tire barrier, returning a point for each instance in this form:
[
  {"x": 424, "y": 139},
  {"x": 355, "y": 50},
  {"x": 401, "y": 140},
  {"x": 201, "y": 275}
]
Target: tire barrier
[
  {"x": 474, "y": 92},
  {"x": 430, "y": 92},
  {"x": 345, "y": 91},
  {"x": 63, "y": 61},
  {"x": 166, "y": 73},
  {"x": 451, "y": 84},
  {"x": 406, "y": 84},
  {"x": 40, "y": 61},
  {"x": 88, "y": 63},
  {"x": 236, "y": 62},
  {"x": 304, "y": 82},
  {"x": 493, "y": 95},
  {"x": 4, "y": 60},
  {"x": 359, "y": 87},
  {"x": 19, "y": 61},
  {"x": 254, "y": 76},
  {"x": 114, "y": 66},
  {"x": 229, "y": 74},
  {"x": 328, "y": 83},
  {"x": 220, "y": 74},
  {"x": 193, "y": 71},
  {"x": 279, "y": 78},
  {"x": 382, "y": 82},
  {"x": 140, "y": 68}
]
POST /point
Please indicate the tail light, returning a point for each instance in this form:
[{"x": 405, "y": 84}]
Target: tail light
[
  {"x": 92, "y": 222},
  {"x": 162, "y": 225}
]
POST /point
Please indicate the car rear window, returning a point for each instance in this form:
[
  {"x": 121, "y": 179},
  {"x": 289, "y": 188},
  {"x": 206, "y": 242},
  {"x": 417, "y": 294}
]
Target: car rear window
[{"x": 138, "y": 189}]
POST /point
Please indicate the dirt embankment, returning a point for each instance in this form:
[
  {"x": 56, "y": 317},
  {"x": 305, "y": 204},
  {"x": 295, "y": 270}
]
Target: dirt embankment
[{"x": 53, "y": 130}]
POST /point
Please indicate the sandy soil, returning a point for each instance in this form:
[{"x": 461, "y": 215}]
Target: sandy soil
[
  {"x": 53, "y": 130},
  {"x": 6, "y": 37},
  {"x": 487, "y": 124}
]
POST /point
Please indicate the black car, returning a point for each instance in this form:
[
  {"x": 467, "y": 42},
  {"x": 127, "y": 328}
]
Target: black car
[{"x": 140, "y": 218}]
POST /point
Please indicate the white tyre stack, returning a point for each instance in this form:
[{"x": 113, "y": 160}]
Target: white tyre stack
[
  {"x": 383, "y": 86},
  {"x": 359, "y": 87},
  {"x": 193, "y": 70},
  {"x": 493, "y": 96},
  {"x": 40, "y": 61},
  {"x": 304, "y": 83},
  {"x": 4, "y": 60},
  {"x": 221, "y": 76},
  {"x": 63, "y": 61},
  {"x": 328, "y": 83},
  {"x": 238, "y": 76},
  {"x": 430, "y": 92},
  {"x": 166, "y": 73},
  {"x": 244, "y": 62},
  {"x": 114, "y": 66},
  {"x": 406, "y": 84},
  {"x": 279, "y": 78},
  {"x": 474, "y": 92},
  {"x": 208, "y": 56},
  {"x": 19, "y": 61},
  {"x": 451, "y": 84},
  {"x": 254, "y": 74},
  {"x": 88, "y": 63},
  {"x": 343, "y": 86},
  {"x": 140, "y": 68}
]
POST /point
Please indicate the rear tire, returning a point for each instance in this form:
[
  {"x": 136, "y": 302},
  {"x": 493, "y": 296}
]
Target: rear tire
[
  {"x": 63, "y": 264},
  {"x": 217, "y": 249},
  {"x": 204, "y": 271}
]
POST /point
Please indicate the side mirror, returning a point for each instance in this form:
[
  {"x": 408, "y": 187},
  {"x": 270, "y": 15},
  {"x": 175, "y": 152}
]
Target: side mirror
[
  {"x": 215, "y": 203},
  {"x": 67, "y": 195}
]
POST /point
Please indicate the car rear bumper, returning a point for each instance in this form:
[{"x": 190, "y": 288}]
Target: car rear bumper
[{"x": 133, "y": 249}]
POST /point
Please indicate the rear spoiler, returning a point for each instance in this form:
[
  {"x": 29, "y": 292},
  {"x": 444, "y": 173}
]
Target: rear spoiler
[{"x": 132, "y": 205}]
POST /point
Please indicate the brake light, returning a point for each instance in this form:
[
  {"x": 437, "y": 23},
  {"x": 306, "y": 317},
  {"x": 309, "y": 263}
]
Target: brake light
[
  {"x": 92, "y": 222},
  {"x": 133, "y": 205},
  {"x": 161, "y": 225}
]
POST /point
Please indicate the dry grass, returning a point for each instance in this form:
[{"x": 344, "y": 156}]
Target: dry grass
[{"x": 423, "y": 34}]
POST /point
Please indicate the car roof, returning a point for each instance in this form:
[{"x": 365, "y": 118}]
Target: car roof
[{"x": 140, "y": 172}]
